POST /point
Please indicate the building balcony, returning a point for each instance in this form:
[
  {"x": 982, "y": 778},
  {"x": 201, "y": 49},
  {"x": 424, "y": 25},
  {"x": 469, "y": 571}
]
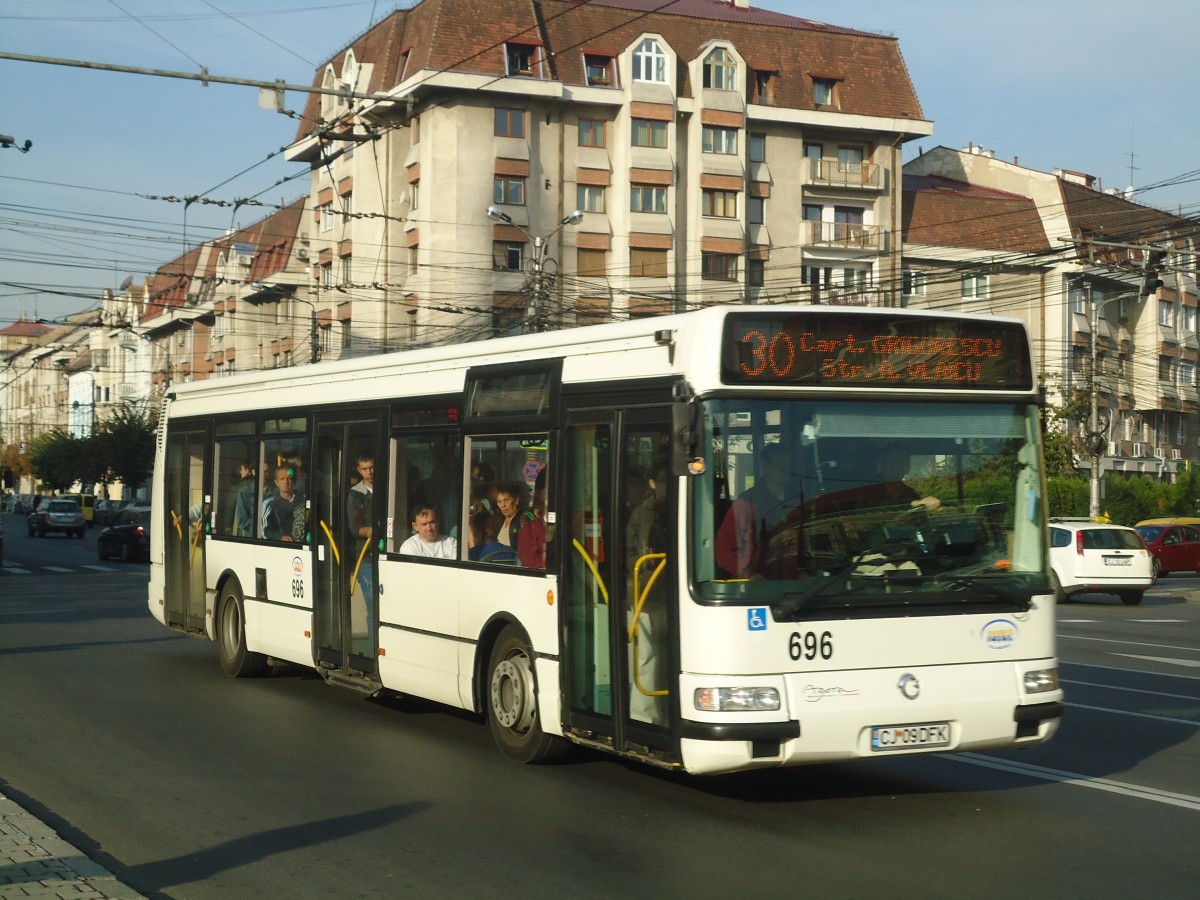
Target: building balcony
[
  {"x": 832, "y": 173},
  {"x": 845, "y": 235}
]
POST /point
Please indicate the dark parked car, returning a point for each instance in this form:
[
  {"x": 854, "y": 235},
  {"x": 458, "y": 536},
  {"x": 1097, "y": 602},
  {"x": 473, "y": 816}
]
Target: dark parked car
[
  {"x": 57, "y": 515},
  {"x": 128, "y": 536},
  {"x": 106, "y": 510},
  {"x": 1175, "y": 547}
]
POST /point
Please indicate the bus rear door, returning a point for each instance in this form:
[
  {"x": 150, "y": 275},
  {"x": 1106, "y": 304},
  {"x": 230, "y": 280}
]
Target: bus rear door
[{"x": 186, "y": 512}]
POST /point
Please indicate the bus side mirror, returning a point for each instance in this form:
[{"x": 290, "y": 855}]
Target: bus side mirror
[{"x": 685, "y": 431}]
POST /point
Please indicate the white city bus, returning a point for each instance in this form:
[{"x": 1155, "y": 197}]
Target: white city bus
[{"x": 749, "y": 536}]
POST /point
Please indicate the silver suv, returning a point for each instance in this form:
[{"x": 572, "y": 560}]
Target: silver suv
[
  {"x": 1105, "y": 559},
  {"x": 57, "y": 515}
]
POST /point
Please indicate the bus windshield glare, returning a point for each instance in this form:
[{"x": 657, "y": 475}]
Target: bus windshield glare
[{"x": 830, "y": 508}]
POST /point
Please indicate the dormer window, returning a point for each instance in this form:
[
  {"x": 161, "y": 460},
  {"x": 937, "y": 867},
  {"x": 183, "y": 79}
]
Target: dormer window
[
  {"x": 599, "y": 70},
  {"x": 520, "y": 59},
  {"x": 763, "y": 91},
  {"x": 823, "y": 91},
  {"x": 650, "y": 62},
  {"x": 720, "y": 70}
]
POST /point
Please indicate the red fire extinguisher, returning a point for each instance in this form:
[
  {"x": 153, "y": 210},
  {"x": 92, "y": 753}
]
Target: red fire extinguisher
[{"x": 593, "y": 535}]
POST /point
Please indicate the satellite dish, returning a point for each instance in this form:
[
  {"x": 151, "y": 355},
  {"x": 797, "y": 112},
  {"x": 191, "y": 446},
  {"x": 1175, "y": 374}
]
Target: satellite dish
[{"x": 126, "y": 283}]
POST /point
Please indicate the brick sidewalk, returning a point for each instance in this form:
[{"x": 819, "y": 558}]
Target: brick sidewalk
[{"x": 36, "y": 862}]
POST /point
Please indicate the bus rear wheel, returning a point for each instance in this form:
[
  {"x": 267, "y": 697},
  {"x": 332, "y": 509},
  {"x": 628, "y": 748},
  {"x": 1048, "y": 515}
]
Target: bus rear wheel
[
  {"x": 236, "y": 660},
  {"x": 512, "y": 702}
]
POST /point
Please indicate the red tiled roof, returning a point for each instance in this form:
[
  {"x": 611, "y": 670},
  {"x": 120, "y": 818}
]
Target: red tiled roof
[
  {"x": 468, "y": 36},
  {"x": 947, "y": 213},
  {"x": 25, "y": 328},
  {"x": 1111, "y": 217}
]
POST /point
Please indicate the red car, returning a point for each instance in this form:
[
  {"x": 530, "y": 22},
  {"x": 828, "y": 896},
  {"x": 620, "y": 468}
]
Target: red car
[{"x": 1175, "y": 547}]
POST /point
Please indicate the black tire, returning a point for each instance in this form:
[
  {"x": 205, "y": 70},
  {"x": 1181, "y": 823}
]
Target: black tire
[
  {"x": 511, "y": 702},
  {"x": 1131, "y": 598},
  {"x": 1156, "y": 568},
  {"x": 236, "y": 660},
  {"x": 1060, "y": 596}
]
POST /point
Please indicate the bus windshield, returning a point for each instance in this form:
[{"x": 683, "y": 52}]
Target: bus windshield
[{"x": 836, "y": 508}]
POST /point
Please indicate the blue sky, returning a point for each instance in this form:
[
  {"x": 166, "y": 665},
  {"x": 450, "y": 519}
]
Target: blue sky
[{"x": 1073, "y": 84}]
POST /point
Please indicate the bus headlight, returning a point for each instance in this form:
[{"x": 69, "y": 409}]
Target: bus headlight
[
  {"x": 737, "y": 699},
  {"x": 1038, "y": 681}
]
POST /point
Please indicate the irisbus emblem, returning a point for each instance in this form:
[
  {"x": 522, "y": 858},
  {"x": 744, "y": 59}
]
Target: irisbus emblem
[
  {"x": 297, "y": 567},
  {"x": 1000, "y": 634}
]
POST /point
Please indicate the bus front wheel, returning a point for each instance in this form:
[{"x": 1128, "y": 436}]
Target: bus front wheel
[
  {"x": 236, "y": 660},
  {"x": 512, "y": 702}
]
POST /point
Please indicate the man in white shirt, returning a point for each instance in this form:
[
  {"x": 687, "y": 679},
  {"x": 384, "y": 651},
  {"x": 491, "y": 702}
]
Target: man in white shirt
[{"x": 425, "y": 540}]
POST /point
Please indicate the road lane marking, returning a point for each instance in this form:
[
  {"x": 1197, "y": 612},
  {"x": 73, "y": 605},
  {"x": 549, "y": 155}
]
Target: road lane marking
[
  {"x": 1076, "y": 637},
  {"x": 1139, "y": 715},
  {"x": 1117, "y": 687},
  {"x": 1099, "y": 784},
  {"x": 1127, "y": 671},
  {"x": 59, "y": 569},
  {"x": 1193, "y": 663}
]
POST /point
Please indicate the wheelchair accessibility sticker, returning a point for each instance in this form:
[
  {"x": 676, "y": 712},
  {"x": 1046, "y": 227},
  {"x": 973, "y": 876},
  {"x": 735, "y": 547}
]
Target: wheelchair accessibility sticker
[{"x": 756, "y": 618}]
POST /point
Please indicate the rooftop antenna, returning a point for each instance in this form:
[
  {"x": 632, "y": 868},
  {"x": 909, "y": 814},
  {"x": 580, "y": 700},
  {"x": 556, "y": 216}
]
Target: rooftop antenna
[{"x": 1131, "y": 155}]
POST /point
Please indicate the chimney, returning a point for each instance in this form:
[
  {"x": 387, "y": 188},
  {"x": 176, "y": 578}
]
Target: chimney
[{"x": 742, "y": 4}]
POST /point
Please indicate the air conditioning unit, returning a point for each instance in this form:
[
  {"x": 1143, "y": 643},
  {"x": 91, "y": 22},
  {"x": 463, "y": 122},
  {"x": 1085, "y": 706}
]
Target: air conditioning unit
[
  {"x": 302, "y": 253},
  {"x": 1176, "y": 454},
  {"x": 1158, "y": 452},
  {"x": 1139, "y": 449}
]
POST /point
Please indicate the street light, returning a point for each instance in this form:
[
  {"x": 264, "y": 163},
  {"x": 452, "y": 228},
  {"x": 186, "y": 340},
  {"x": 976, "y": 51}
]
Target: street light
[{"x": 539, "y": 291}]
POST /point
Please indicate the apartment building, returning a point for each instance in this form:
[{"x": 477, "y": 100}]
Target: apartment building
[
  {"x": 716, "y": 153},
  {"x": 1107, "y": 287}
]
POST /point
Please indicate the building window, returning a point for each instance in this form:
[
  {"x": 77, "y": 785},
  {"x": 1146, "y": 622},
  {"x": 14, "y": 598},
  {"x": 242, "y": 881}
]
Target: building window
[
  {"x": 1189, "y": 319},
  {"x": 509, "y": 189},
  {"x": 850, "y": 160},
  {"x": 519, "y": 59},
  {"x": 1165, "y": 309},
  {"x": 649, "y": 133},
  {"x": 823, "y": 91},
  {"x": 506, "y": 256},
  {"x": 510, "y": 122},
  {"x": 756, "y": 272},
  {"x": 720, "y": 70},
  {"x": 856, "y": 280},
  {"x": 756, "y": 210},
  {"x": 913, "y": 283},
  {"x": 325, "y": 214},
  {"x": 415, "y": 191},
  {"x": 1187, "y": 377},
  {"x": 719, "y": 266},
  {"x": 1165, "y": 368},
  {"x": 813, "y": 153},
  {"x": 650, "y": 62},
  {"x": 346, "y": 270},
  {"x": 327, "y": 275},
  {"x": 599, "y": 70},
  {"x": 1077, "y": 294},
  {"x": 645, "y": 263},
  {"x": 591, "y": 263},
  {"x": 590, "y": 198},
  {"x": 722, "y": 204},
  {"x": 758, "y": 148},
  {"x": 347, "y": 334},
  {"x": 591, "y": 133},
  {"x": 974, "y": 287},
  {"x": 412, "y": 260},
  {"x": 647, "y": 198},
  {"x": 816, "y": 276},
  {"x": 716, "y": 139},
  {"x": 763, "y": 91}
]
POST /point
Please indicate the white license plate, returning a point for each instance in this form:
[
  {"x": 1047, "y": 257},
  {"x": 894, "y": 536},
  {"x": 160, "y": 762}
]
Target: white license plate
[
  {"x": 1117, "y": 560},
  {"x": 908, "y": 737}
]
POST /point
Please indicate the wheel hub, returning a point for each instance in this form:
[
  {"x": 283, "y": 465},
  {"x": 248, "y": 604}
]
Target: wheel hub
[{"x": 512, "y": 694}]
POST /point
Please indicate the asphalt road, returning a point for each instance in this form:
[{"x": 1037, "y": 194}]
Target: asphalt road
[{"x": 130, "y": 742}]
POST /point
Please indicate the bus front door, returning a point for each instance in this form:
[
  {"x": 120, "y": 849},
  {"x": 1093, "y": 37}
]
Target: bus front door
[
  {"x": 344, "y": 556},
  {"x": 187, "y": 508},
  {"x": 618, "y": 582}
]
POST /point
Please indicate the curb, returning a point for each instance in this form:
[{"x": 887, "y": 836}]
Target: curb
[{"x": 36, "y": 862}]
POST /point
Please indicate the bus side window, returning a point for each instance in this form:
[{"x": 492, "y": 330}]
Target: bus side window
[
  {"x": 236, "y": 466},
  {"x": 425, "y": 469}
]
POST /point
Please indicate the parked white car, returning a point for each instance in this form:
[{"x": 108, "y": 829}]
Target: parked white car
[{"x": 1104, "y": 559}]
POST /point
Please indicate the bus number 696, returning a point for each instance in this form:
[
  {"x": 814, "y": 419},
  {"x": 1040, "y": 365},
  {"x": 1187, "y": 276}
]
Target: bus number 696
[{"x": 810, "y": 645}]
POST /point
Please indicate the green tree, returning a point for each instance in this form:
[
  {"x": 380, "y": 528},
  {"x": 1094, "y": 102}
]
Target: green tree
[
  {"x": 125, "y": 441},
  {"x": 57, "y": 458}
]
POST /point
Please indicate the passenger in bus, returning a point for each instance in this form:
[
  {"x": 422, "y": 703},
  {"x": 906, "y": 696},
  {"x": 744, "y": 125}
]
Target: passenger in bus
[
  {"x": 426, "y": 541},
  {"x": 483, "y": 486},
  {"x": 483, "y": 546},
  {"x": 279, "y": 509},
  {"x": 534, "y": 534},
  {"x": 743, "y": 538},
  {"x": 360, "y": 514},
  {"x": 510, "y": 500},
  {"x": 243, "y": 503}
]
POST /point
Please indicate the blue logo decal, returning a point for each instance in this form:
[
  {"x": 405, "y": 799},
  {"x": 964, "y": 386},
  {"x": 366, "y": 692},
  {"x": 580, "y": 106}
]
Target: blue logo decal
[
  {"x": 756, "y": 618},
  {"x": 1000, "y": 634}
]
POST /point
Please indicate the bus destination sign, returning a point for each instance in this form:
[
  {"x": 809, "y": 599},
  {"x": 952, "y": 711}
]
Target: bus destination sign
[{"x": 867, "y": 350}]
